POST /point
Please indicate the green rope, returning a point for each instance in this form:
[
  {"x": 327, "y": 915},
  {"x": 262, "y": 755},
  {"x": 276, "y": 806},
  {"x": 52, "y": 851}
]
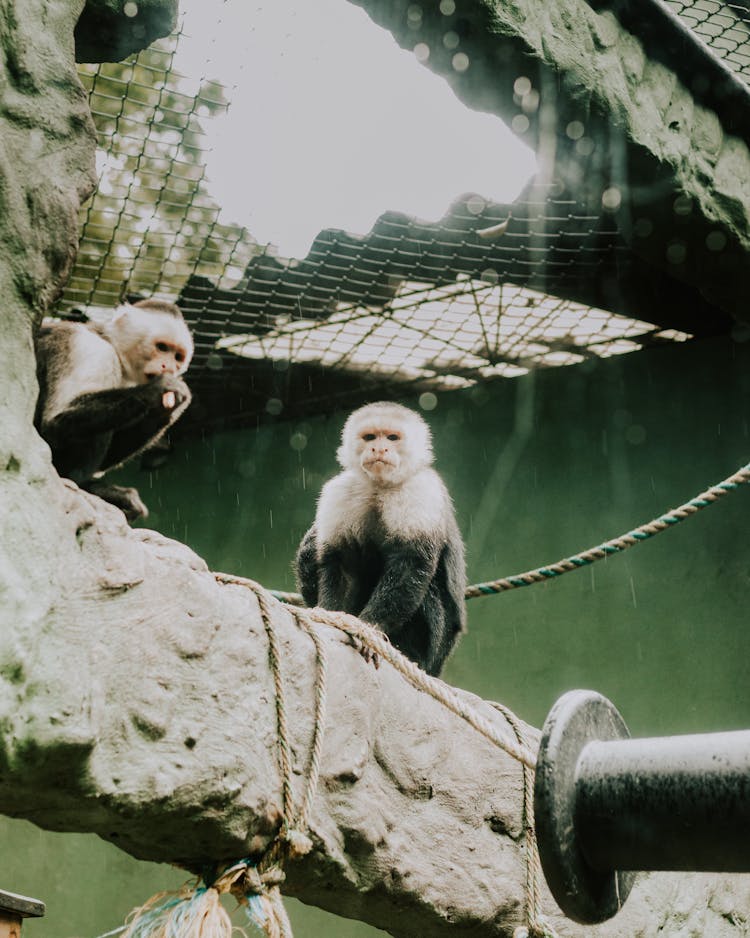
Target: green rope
[
  {"x": 616, "y": 545},
  {"x": 586, "y": 557}
]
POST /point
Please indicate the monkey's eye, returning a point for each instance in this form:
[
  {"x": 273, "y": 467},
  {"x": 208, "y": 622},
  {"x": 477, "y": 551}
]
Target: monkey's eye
[
  {"x": 162, "y": 347},
  {"x": 394, "y": 436},
  {"x": 368, "y": 437},
  {"x": 179, "y": 357}
]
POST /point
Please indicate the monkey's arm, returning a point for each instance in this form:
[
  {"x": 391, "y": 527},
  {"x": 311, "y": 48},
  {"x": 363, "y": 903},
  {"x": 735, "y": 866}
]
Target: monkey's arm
[
  {"x": 131, "y": 439},
  {"x": 306, "y": 567},
  {"x": 98, "y": 412},
  {"x": 332, "y": 580},
  {"x": 100, "y": 429},
  {"x": 407, "y": 573}
]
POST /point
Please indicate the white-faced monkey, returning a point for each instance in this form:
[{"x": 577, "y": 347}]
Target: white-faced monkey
[
  {"x": 108, "y": 391},
  {"x": 385, "y": 545}
]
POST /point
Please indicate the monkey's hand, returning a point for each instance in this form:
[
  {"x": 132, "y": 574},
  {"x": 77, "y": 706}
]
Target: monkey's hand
[
  {"x": 175, "y": 394},
  {"x": 369, "y": 654}
]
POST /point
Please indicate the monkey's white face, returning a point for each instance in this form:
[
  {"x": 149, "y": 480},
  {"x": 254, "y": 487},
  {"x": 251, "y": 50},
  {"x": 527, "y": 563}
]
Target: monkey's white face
[
  {"x": 150, "y": 343},
  {"x": 380, "y": 452},
  {"x": 387, "y": 442}
]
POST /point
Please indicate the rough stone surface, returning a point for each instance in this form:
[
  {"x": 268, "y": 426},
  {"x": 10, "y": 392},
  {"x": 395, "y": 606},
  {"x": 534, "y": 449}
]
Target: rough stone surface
[
  {"x": 110, "y": 30},
  {"x": 136, "y": 702},
  {"x": 653, "y": 141},
  {"x": 46, "y": 169},
  {"x": 135, "y": 695}
]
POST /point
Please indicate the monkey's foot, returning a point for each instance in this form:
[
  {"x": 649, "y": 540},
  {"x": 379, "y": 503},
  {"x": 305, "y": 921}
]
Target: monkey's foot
[{"x": 123, "y": 497}]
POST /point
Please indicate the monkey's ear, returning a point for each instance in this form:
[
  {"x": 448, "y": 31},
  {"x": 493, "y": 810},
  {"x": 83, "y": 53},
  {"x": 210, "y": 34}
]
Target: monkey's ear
[{"x": 119, "y": 312}]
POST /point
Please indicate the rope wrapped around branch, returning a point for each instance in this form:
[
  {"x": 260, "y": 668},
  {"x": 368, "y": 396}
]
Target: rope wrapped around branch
[{"x": 196, "y": 911}]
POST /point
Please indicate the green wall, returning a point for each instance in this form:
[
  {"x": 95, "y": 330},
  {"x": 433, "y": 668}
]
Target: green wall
[{"x": 540, "y": 467}]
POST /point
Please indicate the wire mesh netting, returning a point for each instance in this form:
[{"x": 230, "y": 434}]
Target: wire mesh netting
[
  {"x": 723, "y": 26},
  {"x": 489, "y": 291}
]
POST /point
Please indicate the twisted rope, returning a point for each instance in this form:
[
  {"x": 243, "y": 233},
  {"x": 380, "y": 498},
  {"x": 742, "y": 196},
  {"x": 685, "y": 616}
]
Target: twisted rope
[
  {"x": 196, "y": 912},
  {"x": 538, "y": 926},
  {"x": 263, "y": 879},
  {"x": 293, "y": 825},
  {"x": 618, "y": 544},
  {"x": 376, "y": 641}
]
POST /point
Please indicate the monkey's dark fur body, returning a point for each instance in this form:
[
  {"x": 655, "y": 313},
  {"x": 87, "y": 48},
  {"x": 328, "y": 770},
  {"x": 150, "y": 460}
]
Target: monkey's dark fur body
[
  {"x": 414, "y": 591},
  {"x": 90, "y": 410},
  {"x": 385, "y": 545}
]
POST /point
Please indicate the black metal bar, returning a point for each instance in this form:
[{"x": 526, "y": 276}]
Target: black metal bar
[
  {"x": 607, "y": 805},
  {"x": 675, "y": 803}
]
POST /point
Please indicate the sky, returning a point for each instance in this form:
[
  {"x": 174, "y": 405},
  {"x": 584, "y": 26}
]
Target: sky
[{"x": 331, "y": 123}]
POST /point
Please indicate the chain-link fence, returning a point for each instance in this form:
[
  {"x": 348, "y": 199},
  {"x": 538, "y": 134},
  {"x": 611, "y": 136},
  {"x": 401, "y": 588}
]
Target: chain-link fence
[
  {"x": 489, "y": 291},
  {"x": 723, "y": 26}
]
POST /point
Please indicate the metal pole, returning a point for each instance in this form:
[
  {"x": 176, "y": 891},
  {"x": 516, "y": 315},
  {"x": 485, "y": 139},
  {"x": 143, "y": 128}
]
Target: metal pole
[{"x": 606, "y": 805}]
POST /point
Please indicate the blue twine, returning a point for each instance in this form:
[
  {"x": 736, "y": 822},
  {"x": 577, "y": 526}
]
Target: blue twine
[
  {"x": 255, "y": 912},
  {"x": 144, "y": 924}
]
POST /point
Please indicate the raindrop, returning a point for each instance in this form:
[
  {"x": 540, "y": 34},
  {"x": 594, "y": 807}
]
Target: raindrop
[
  {"x": 421, "y": 52},
  {"x": 298, "y": 441},
  {"x": 530, "y": 102},
  {"x": 521, "y": 86},
  {"x": 428, "y": 401},
  {"x": 621, "y": 418},
  {"x": 489, "y": 275},
  {"x": 447, "y": 7},
  {"x": 676, "y": 252},
  {"x": 460, "y": 61},
  {"x": 575, "y": 130},
  {"x": 635, "y": 434},
  {"x": 683, "y": 205},
  {"x": 716, "y": 241},
  {"x": 214, "y": 362},
  {"x": 643, "y": 227},
  {"x": 520, "y": 123},
  {"x": 476, "y": 204},
  {"x": 451, "y": 40},
  {"x": 274, "y": 406},
  {"x": 611, "y": 198},
  {"x": 130, "y": 9},
  {"x": 741, "y": 332}
]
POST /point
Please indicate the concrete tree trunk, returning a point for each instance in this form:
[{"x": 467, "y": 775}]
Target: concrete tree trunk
[{"x": 136, "y": 699}]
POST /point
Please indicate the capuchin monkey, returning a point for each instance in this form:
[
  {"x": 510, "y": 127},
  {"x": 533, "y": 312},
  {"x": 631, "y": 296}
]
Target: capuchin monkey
[
  {"x": 385, "y": 545},
  {"x": 108, "y": 391}
]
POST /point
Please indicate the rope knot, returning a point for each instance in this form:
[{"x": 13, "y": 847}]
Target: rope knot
[
  {"x": 298, "y": 844},
  {"x": 254, "y": 883}
]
